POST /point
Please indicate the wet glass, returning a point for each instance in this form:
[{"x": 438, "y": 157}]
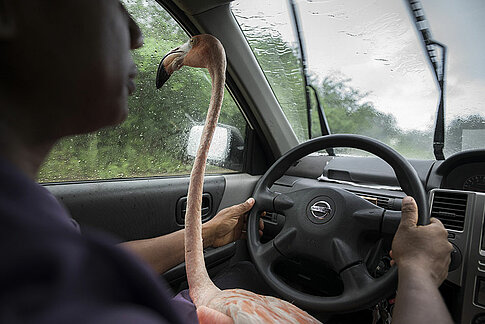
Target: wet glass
[
  {"x": 370, "y": 70},
  {"x": 460, "y": 25}
]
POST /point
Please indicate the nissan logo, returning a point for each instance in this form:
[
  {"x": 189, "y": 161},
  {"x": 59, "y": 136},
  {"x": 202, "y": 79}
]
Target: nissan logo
[{"x": 321, "y": 209}]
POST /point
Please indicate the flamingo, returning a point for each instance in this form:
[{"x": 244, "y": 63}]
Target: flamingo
[{"x": 213, "y": 305}]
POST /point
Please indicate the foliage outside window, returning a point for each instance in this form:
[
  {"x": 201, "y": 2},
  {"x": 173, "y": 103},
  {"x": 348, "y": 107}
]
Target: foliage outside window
[{"x": 152, "y": 141}]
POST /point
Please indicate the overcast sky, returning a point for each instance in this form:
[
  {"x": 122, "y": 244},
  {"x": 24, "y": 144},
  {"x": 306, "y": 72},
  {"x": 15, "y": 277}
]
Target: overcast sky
[{"x": 375, "y": 44}]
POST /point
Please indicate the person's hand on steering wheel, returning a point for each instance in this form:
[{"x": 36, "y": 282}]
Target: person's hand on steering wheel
[
  {"x": 422, "y": 249},
  {"x": 422, "y": 255},
  {"x": 230, "y": 224}
]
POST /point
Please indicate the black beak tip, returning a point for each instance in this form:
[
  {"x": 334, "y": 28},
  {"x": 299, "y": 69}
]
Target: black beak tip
[{"x": 162, "y": 75}]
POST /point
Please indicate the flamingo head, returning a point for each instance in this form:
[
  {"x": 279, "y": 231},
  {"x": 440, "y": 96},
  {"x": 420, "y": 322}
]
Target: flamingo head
[{"x": 199, "y": 51}]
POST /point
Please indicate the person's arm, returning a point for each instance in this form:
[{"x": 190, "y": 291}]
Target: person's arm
[
  {"x": 164, "y": 252},
  {"x": 422, "y": 255}
]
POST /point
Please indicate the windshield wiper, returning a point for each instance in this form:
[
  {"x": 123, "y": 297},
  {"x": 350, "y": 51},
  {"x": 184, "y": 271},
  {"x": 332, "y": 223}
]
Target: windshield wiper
[
  {"x": 325, "y": 129},
  {"x": 432, "y": 47}
]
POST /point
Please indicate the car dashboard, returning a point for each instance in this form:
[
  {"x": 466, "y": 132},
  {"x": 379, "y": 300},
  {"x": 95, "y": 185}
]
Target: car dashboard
[
  {"x": 456, "y": 192},
  {"x": 457, "y": 195}
]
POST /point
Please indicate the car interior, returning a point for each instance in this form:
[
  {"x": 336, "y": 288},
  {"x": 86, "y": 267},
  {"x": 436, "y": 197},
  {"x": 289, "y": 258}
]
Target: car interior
[{"x": 330, "y": 214}]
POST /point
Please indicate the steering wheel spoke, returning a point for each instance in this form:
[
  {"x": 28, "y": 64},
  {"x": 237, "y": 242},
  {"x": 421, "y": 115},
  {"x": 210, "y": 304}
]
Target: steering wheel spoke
[
  {"x": 283, "y": 202},
  {"x": 265, "y": 200},
  {"x": 369, "y": 218},
  {"x": 390, "y": 221},
  {"x": 343, "y": 255},
  {"x": 284, "y": 241},
  {"x": 356, "y": 278},
  {"x": 268, "y": 253}
]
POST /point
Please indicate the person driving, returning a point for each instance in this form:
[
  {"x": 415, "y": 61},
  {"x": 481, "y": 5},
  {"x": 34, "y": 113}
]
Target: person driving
[{"x": 66, "y": 69}]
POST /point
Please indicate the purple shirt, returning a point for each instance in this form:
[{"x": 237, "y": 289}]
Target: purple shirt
[{"x": 50, "y": 273}]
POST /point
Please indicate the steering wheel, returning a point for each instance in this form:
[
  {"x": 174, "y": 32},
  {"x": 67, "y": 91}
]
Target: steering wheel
[{"x": 328, "y": 224}]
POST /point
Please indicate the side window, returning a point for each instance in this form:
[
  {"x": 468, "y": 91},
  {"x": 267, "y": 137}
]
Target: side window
[{"x": 153, "y": 141}]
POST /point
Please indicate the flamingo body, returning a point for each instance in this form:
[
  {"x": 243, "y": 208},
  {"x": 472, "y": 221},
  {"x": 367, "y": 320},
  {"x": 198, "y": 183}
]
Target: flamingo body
[{"x": 247, "y": 307}]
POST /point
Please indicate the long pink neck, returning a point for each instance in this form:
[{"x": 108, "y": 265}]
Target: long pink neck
[{"x": 201, "y": 287}]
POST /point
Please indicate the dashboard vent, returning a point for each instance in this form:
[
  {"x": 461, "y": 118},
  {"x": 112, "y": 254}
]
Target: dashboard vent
[{"x": 450, "y": 209}]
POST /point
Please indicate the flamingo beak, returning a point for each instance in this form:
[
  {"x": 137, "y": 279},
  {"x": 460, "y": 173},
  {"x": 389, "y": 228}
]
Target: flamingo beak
[
  {"x": 162, "y": 75},
  {"x": 171, "y": 62}
]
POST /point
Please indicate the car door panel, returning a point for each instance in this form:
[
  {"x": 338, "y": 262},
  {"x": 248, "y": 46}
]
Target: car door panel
[
  {"x": 133, "y": 209},
  {"x": 144, "y": 208}
]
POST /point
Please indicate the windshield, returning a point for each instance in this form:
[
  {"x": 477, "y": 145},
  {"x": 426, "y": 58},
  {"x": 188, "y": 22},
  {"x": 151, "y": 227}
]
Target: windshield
[{"x": 369, "y": 67}]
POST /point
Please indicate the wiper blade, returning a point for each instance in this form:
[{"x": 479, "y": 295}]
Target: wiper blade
[
  {"x": 321, "y": 114},
  {"x": 438, "y": 65}
]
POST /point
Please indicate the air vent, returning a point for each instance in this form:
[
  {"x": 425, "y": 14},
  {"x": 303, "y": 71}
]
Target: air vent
[
  {"x": 449, "y": 208},
  {"x": 379, "y": 200}
]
